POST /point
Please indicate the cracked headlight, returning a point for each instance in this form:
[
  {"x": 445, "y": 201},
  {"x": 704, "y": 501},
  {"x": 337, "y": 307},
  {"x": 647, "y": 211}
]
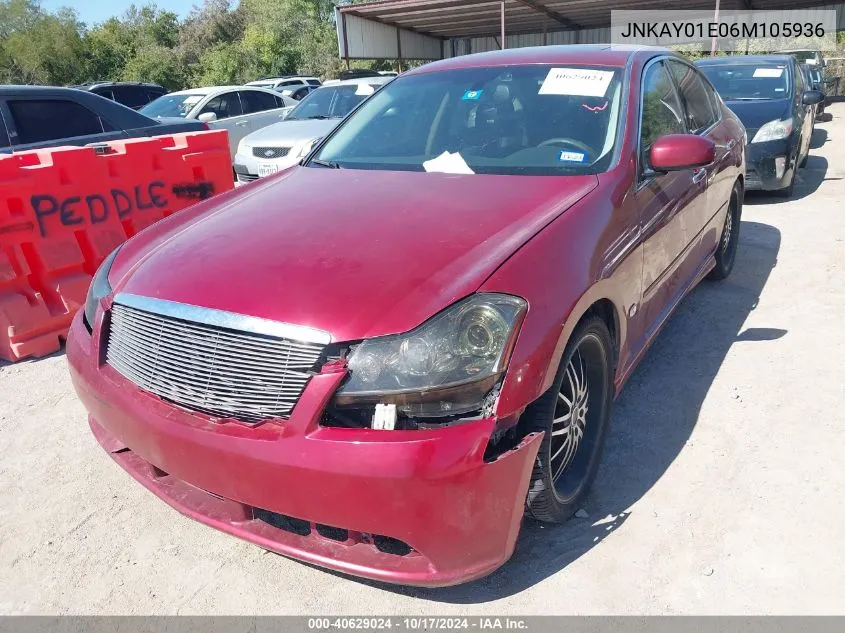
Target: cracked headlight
[
  {"x": 444, "y": 367},
  {"x": 98, "y": 289}
]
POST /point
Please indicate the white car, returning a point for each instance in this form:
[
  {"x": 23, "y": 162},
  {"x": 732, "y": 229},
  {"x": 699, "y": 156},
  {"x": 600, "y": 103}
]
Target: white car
[
  {"x": 290, "y": 81},
  {"x": 284, "y": 144},
  {"x": 239, "y": 110}
]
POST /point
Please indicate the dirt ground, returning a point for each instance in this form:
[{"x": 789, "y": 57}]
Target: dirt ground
[{"x": 722, "y": 489}]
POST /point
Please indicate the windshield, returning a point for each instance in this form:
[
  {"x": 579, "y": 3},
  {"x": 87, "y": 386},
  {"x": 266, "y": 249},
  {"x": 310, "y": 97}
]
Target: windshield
[
  {"x": 748, "y": 82},
  {"x": 535, "y": 119},
  {"x": 171, "y": 105},
  {"x": 332, "y": 102}
]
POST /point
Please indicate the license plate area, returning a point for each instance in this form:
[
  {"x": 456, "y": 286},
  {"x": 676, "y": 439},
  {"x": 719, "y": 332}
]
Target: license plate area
[{"x": 265, "y": 169}]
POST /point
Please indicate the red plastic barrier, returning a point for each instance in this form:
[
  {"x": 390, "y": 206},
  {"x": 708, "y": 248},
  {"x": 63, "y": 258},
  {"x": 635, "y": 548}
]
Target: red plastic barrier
[{"x": 63, "y": 210}]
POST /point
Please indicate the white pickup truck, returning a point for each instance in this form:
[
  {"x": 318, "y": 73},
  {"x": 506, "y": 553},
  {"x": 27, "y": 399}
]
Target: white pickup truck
[{"x": 240, "y": 110}]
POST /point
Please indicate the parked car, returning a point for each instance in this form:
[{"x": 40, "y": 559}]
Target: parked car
[
  {"x": 358, "y": 73},
  {"x": 132, "y": 94},
  {"x": 281, "y": 145},
  {"x": 815, "y": 80},
  {"x": 237, "y": 109},
  {"x": 770, "y": 96},
  {"x": 377, "y": 360},
  {"x": 285, "y": 81},
  {"x": 32, "y": 117},
  {"x": 805, "y": 56}
]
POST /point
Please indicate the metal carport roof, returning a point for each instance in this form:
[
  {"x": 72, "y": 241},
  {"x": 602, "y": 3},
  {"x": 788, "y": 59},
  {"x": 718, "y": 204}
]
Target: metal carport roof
[{"x": 444, "y": 20}]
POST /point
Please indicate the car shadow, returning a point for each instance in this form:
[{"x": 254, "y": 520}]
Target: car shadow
[
  {"x": 819, "y": 138},
  {"x": 32, "y": 359},
  {"x": 647, "y": 432}
]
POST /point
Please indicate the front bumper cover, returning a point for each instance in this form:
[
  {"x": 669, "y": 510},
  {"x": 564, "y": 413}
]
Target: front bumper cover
[
  {"x": 431, "y": 490},
  {"x": 760, "y": 164}
]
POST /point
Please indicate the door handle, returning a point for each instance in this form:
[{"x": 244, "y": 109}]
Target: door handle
[
  {"x": 242, "y": 123},
  {"x": 698, "y": 175}
]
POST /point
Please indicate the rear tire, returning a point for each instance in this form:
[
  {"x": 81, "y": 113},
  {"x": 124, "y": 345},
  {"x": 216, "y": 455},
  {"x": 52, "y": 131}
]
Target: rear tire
[
  {"x": 729, "y": 240},
  {"x": 573, "y": 414}
]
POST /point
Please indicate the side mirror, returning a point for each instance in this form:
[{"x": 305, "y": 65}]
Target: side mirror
[
  {"x": 812, "y": 97},
  {"x": 681, "y": 151},
  {"x": 207, "y": 117}
]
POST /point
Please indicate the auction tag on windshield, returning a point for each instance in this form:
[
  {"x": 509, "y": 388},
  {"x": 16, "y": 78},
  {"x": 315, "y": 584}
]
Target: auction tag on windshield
[
  {"x": 768, "y": 72},
  {"x": 576, "y": 82},
  {"x": 364, "y": 90}
]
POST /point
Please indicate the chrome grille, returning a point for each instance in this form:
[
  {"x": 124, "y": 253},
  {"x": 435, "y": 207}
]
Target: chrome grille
[
  {"x": 270, "y": 152},
  {"x": 202, "y": 366}
]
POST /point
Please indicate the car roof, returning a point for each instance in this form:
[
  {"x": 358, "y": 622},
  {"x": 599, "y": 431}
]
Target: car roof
[
  {"x": 280, "y": 78},
  {"x": 119, "y": 115},
  {"x": 94, "y": 84},
  {"x": 745, "y": 59},
  {"x": 210, "y": 90},
  {"x": 377, "y": 80},
  {"x": 597, "y": 54}
]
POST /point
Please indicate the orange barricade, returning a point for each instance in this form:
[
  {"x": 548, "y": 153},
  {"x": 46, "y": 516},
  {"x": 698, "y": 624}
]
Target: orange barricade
[{"x": 63, "y": 210}]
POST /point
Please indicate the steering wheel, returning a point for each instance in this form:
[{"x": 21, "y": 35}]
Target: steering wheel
[{"x": 570, "y": 142}]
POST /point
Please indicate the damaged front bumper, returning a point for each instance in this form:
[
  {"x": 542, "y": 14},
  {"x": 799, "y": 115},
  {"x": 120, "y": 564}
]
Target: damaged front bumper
[
  {"x": 409, "y": 507},
  {"x": 770, "y": 165}
]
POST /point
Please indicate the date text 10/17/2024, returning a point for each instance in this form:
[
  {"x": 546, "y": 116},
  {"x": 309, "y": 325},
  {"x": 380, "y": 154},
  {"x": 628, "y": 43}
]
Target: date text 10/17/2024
[{"x": 481, "y": 623}]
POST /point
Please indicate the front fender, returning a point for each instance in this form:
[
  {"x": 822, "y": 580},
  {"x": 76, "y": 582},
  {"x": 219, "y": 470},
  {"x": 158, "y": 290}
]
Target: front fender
[{"x": 588, "y": 254}]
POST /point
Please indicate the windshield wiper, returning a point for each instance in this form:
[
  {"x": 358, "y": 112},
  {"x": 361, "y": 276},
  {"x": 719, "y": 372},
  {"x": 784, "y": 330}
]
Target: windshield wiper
[
  {"x": 318, "y": 116},
  {"x": 326, "y": 163},
  {"x": 749, "y": 99}
]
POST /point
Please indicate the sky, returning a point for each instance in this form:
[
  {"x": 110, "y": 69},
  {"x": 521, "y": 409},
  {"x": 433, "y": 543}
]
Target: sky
[{"x": 92, "y": 11}]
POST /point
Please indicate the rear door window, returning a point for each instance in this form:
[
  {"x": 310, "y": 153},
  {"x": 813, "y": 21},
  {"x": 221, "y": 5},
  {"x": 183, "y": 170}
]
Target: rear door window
[
  {"x": 4, "y": 134},
  {"x": 37, "y": 121},
  {"x": 255, "y": 101},
  {"x": 131, "y": 96},
  {"x": 153, "y": 94}
]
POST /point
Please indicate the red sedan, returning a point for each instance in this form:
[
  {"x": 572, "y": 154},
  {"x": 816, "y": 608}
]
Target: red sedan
[{"x": 379, "y": 360}]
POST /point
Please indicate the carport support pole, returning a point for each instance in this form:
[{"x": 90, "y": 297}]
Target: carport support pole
[
  {"x": 345, "y": 41},
  {"x": 716, "y": 20},
  {"x": 503, "y": 24}
]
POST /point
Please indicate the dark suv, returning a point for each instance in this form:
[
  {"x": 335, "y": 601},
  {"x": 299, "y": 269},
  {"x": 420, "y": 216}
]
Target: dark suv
[
  {"x": 132, "y": 94},
  {"x": 32, "y": 117}
]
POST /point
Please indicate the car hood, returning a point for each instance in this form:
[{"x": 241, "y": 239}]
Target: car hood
[
  {"x": 352, "y": 252},
  {"x": 288, "y": 133},
  {"x": 753, "y": 114}
]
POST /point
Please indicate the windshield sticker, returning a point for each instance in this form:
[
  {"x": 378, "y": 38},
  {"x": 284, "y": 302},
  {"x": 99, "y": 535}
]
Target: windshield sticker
[
  {"x": 598, "y": 108},
  {"x": 572, "y": 157},
  {"x": 364, "y": 90},
  {"x": 780, "y": 89},
  {"x": 768, "y": 72},
  {"x": 472, "y": 95},
  {"x": 192, "y": 100},
  {"x": 576, "y": 82},
  {"x": 448, "y": 163}
]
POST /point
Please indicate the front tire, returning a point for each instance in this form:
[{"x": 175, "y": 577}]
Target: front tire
[
  {"x": 729, "y": 240},
  {"x": 573, "y": 414}
]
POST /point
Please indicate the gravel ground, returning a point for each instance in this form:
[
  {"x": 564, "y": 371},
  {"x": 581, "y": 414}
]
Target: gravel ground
[{"x": 721, "y": 490}]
